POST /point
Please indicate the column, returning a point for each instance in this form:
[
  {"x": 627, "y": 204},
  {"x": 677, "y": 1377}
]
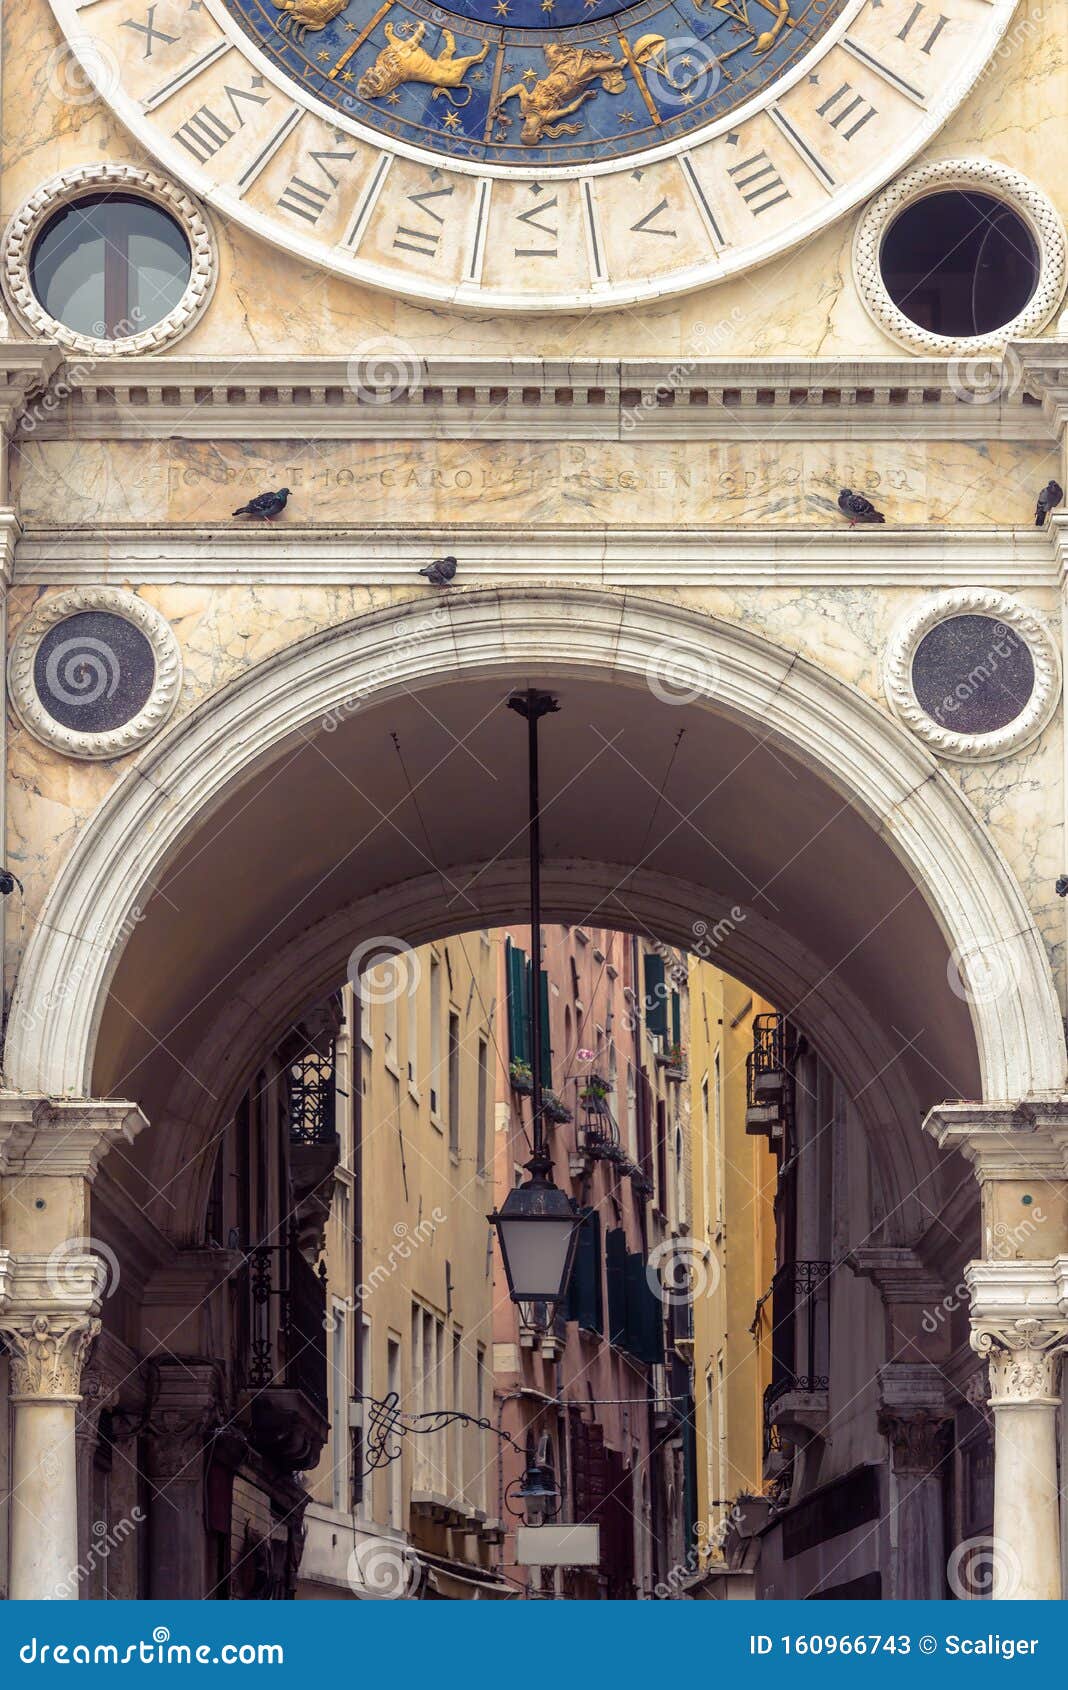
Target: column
[
  {"x": 918, "y": 1427},
  {"x": 1024, "y": 1360},
  {"x": 48, "y": 1336},
  {"x": 185, "y": 1409},
  {"x": 51, "y": 1284}
]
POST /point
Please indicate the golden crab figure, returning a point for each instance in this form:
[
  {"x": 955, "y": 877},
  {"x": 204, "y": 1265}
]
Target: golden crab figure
[{"x": 302, "y": 15}]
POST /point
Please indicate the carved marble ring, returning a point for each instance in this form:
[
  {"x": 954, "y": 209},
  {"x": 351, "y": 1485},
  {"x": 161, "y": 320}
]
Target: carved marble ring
[
  {"x": 1000, "y": 183},
  {"x": 21, "y": 235},
  {"x": 113, "y": 742},
  {"x": 977, "y": 601}
]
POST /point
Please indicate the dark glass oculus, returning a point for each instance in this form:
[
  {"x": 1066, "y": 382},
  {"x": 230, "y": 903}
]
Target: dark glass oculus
[
  {"x": 110, "y": 266},
  {"x": 973, "y": 674},
  {"x": 959, "y": 263}
]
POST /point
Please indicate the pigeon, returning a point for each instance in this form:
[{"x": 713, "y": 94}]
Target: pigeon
[
  {"x": 857, "y": 508},
  {"x": 1050, "y": 496},
  {"x": 440, "y": 572},
  {"x": 266, "y": 504}
]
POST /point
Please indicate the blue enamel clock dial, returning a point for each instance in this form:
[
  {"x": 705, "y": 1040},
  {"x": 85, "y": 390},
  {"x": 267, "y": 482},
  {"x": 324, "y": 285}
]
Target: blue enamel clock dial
[{"x": 535, "y": 82}]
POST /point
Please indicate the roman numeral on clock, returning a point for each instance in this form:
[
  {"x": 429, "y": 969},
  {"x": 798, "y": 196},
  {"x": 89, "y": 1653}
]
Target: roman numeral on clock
[
  {"x": 422, "y": 241},
  {"x": 759, "y": 183},
  {"x": 310, "y": 199},
  {"x": 914, "y": 17},
  {"x": 647, "y": 225},
  {"x": 205, "y": 133},
  {"x": 845, "y": 114},
  {"x": 530, "y": 218},
  {"x": 150, "y": 32}
]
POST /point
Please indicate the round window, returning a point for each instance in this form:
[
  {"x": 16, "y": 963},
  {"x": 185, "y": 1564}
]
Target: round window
[
  {"x": 110, "y": 265},
  {"x": 973, "y": 674},
  {"x": 959, "y": 263}
]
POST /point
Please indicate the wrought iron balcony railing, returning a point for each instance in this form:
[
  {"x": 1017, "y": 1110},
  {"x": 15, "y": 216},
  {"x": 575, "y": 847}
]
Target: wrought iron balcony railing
[
  {"x": 286, "y": 1300},
  {"x": 800, "y": 1330}
]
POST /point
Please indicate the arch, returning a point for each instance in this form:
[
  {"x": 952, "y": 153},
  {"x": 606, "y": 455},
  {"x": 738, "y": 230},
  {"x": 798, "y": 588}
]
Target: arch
[{"x": 827, "y": 727}]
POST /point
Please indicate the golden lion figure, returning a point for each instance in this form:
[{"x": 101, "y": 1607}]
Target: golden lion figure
[
  {"x": 560, "y": 93},
  {"x": 406, "y": 60},
  {"x": 302, "y": 15}
]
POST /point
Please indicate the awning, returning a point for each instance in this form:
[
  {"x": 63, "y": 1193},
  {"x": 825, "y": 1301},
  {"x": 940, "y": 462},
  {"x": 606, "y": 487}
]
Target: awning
[{"x": 447, "y": 1582}]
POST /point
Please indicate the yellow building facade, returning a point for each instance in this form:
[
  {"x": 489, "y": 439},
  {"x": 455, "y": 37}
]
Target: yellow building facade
[{"x": 733, "y": 1194}]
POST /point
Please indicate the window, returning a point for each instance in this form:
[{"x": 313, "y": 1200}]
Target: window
[
  {"x": 412, "y": 1036},
  {"x": 655, "y": 1004},
  {"x": 457, "y": 1452},
  {"x": 435, "y": 1034},
  {"x": 394, "y": 1386},
  {"x": 959, "y": 263},
  {"x": 110, "y": 265},
  {"x": 339, "y": 1407},
  {"x": 482, "y": 1114},
  {"x": 454, "y": 1083},
  {"x": 481, "y": 1413},
  {"x": 717, "y": 1140},
  {"x": 428, "y": 1367}
]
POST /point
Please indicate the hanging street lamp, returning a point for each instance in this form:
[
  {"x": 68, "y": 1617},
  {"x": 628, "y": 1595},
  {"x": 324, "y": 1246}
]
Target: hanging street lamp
[{"x": 537, "y": 1224}]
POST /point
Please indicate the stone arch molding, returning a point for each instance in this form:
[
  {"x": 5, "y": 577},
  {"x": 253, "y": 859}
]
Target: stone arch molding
[{"x": 849, "y": 742}]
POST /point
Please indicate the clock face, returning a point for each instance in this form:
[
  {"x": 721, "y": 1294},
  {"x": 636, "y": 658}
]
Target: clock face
[
  {"x": 536, "y": 82},
  {"x": 533, "y": 154}
]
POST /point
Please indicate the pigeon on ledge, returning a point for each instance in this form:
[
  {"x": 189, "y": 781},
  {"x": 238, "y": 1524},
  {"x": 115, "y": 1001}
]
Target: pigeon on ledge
[
  {"x": 857, "y": 508},
  {"x": 1050, "y": 496},
  {"x": 266, "y": 505},
  {"x": 440, "y": 572}
]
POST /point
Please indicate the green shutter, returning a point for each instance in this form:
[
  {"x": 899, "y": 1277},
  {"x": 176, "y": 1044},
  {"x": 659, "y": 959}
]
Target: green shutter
[
  {"x": 585, "y": 1302},
  {"x": 655, "y": 995},
  {"x": 546, "y": 1037},
  {"x": 516, "y": 969},
  {"x": 615, "y": 1269},
  {"x": 644, "y": 1315},
  {"x": 676, "y": 1019}
]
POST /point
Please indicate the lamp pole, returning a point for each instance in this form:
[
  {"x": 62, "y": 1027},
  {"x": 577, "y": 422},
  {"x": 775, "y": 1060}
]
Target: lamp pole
[{"x": 534, "y": 705}]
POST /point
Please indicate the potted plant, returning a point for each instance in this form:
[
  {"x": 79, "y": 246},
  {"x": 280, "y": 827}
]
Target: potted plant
[
  {"x": 555, "y": 1107},
  {"x": 594, "y": 1091},
  {"x": 749, "y": 1512},
  {"x": 522, "y": 1080}
]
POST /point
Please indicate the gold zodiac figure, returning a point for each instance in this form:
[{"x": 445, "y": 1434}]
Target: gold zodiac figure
[
  {"x": 557, "y": 95},
  {"x": 302, "y": 15},
  {"x": 739, "y": 11},
  {"x": 406, "y": 60}
]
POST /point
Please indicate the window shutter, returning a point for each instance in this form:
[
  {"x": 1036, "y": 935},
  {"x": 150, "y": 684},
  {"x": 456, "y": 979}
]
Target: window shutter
[
  {"x": 655, "y": 996},
  {"x": 644, "y": 1324},
  {"x": 676, "y": 1018},
  {"x": 518, "y": 1004},
  {"x": 615, "y": 1269},
  {"x": 546, "y": 1037},
  {"x": 585, "y": 1302}
]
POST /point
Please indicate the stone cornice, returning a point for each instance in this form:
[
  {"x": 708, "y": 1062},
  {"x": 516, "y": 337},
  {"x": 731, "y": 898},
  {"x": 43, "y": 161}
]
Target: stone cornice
[
  {"x": 898, "y": 1274},
  {"x": 1020, "y": 1141},
  {"x": 529, "y": 399},
  {"x": 26, "y": 368},
  {"x": 293, "y": 553},
  {"x": 62, "y": 1136}
]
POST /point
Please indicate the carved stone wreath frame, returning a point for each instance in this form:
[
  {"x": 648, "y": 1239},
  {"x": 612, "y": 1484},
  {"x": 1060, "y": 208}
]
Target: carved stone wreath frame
[
  {"x": 944, "y": 175},
  {"x": 27, "y": 223},
  {"x": 1011, "y": 615},
  {"x": 158, "y": 707}
]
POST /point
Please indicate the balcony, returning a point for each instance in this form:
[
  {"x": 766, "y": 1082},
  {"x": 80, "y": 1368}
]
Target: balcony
[
  {"x": 284, "y": 1400},
  {"x": 795, "y": 1403},
  {"x": 767, "y": 1078}
]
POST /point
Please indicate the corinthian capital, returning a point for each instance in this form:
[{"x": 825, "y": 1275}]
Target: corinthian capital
[
  {"x": 47, "y": 1354},
  {"x": 1023, "y": 1356}
]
